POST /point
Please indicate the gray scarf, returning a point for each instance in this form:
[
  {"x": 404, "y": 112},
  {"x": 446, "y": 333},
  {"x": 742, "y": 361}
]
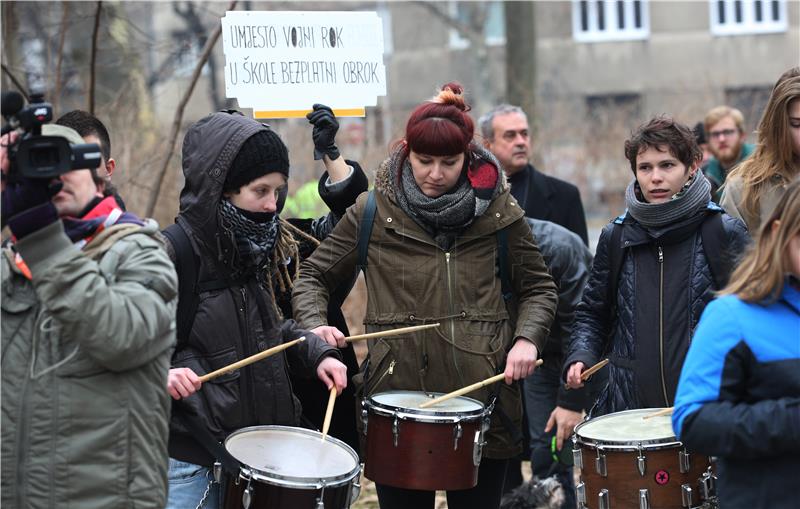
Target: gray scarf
[
  {"x": 253, "y": 242},
  {"x": 693, "y": 197},
  {"x": 445, "y": 216}
]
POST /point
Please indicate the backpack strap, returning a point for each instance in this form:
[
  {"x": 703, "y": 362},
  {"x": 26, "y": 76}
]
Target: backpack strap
[
  {"x": 365, "y": 231},
  {"x": 712, "y": 232},
  {"x": 616, "y": 256},
  {"x": 186, "y": 265},
  {"x": 503, "y": 269}
]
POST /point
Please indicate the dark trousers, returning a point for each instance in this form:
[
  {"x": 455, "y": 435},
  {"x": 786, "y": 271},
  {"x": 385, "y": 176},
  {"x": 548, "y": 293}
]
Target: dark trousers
[{"x": 486, "y": 495}]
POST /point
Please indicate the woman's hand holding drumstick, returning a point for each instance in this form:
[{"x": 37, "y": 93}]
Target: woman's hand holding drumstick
[
  {"x": 576, "y": 374},
  {"x": 469, "y": 388},
  {"x": 334, "y": 336}
]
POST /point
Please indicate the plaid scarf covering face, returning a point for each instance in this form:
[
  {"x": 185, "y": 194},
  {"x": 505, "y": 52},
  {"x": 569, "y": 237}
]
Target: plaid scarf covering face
[
  {"x": 252, "y": 242},
  {"x": 445, "y": 216}
]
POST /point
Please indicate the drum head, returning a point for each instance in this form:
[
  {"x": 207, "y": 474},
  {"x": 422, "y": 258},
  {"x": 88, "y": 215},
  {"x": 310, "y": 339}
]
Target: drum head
[
  {"x": 297, "y": 455},
  {"x": 411, "y": 400},
  {"x": 628, "y": 427}
]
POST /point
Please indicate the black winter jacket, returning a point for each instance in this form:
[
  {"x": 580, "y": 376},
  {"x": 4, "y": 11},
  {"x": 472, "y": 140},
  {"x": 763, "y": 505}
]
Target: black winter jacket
[
  {"x": 236, "y": 321},
  {"x": 664, "y": 284}
]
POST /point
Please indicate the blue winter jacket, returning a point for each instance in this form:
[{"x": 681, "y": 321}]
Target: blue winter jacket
[{"x": 738, "y": 399}]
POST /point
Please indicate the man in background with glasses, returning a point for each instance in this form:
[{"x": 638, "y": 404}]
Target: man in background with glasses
[{"x": 724, "y": 128}]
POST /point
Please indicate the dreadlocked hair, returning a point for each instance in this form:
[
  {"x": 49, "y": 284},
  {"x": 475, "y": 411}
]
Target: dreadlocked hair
[{"x": 288, "y": 247}]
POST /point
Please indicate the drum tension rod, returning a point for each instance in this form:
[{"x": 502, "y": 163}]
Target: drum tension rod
[
  {"x": 686, "y": 495},
  {"x": 684, "y": 461},
  {"x": 644, "y": 498},
  {"x": 457, "y": 432},
  {"x": 641, "y": 461},
  {"x": 600, "y": 463},
  {"x": 603, "y": 499}
]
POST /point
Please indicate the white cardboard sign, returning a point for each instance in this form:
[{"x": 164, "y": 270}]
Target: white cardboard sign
[{"x": 279, "y": 63}]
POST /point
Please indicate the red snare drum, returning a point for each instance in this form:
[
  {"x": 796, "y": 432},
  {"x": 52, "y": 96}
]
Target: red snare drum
[
  {"x": 436, "y": 448},
  {"x": 291, "y": 468},
  {"x": 627, "y": 461}
]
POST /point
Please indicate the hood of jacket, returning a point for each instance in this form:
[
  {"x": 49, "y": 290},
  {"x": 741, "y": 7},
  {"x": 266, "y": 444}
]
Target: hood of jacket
[
  {"x": 386, "y": 175},
  {"x": 209, "y": 148}
]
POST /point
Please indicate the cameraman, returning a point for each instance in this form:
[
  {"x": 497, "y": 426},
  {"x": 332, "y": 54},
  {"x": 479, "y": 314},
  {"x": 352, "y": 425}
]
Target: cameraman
[{"x": 88, "y": 312}]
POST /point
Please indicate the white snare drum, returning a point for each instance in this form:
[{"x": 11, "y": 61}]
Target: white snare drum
[
  {"x": 629, "y": 461},
  {"x": 284, "y": 467}
]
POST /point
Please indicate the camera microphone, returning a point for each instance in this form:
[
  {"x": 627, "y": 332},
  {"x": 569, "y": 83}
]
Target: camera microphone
[{"x": 12, "y": 102}]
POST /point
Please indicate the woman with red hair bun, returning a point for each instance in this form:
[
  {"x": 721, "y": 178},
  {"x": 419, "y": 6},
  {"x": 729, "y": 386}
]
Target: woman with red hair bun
[{"x": 443, "y": 218}]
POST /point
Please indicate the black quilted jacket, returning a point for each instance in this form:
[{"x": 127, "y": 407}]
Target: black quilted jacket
[{"x": 664, "y": 284}]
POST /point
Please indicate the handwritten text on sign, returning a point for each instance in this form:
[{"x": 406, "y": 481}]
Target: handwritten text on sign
[{"x": 291, "y": 60}]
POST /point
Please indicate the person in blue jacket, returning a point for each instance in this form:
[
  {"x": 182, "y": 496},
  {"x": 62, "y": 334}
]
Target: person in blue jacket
[{"x": 738, "y": 395}]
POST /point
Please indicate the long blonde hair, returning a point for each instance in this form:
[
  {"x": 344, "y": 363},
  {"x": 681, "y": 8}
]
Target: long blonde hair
[
  {"x": 761, "y": 273},
  {"x": 773, "y": 154}
]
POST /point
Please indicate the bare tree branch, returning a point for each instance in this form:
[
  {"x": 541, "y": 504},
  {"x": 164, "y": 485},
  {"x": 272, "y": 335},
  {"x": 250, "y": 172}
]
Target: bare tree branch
[
  {"x": 16, "y": 82},
  {"x": 176, "y": 123},
  {"x": 61, "y": 38},
  {"x": 94, "y": 56},
  {"x": 465, "y": 30}
]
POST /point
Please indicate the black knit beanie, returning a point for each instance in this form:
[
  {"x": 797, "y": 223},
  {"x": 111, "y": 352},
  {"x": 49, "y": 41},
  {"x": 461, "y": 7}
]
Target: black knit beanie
[{"x": 262, "y": 153}]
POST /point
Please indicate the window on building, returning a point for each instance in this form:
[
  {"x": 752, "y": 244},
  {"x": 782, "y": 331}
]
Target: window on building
[
  {"x": 610, "y": 20},
  {"x": 751, "y": 101},
  {"x": 736, "y": 17},
  {"x": 494, "y": 25}
]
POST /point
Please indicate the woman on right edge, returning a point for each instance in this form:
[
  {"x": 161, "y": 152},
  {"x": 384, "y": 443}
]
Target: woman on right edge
[
  {"x": 441, "y": 201},
  {"x": 755, "y": 186},
  {"x": 739, "y": 392}
]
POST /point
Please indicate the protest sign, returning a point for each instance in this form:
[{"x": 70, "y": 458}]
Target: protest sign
[{"x": 279, "y": 63}]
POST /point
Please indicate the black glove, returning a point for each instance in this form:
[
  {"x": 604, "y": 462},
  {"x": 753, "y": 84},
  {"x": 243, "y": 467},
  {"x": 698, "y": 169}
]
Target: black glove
[
  {"x": 324, "y": 134},
  {"x": 27, "y": 207}
]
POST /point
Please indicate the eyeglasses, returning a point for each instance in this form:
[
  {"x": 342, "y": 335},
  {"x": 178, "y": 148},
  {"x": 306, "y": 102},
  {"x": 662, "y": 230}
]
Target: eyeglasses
[{"x": 727, "y": 133}]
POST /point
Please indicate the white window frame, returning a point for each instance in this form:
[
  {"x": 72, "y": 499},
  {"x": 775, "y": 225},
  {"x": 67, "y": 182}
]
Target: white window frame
[
  {"x": 611, "y": 31},
  {"x": 749, "y": 25},
  {"x": 458, "y": 42}
]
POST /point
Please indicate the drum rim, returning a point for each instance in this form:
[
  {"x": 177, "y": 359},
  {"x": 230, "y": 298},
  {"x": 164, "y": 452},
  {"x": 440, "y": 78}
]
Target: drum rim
[
  {"x": 669, "y": 442},
  {"x": 423, "y": 414},
  {"x": 289, "y": 481}
]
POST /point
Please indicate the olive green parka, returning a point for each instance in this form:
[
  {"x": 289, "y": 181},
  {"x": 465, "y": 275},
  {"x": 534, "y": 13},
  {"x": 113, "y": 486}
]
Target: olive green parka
[{"x": 411, "y": 281}]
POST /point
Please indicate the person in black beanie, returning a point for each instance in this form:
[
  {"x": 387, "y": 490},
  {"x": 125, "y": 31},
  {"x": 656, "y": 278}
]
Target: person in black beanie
[{"x": 246, "y": 259}]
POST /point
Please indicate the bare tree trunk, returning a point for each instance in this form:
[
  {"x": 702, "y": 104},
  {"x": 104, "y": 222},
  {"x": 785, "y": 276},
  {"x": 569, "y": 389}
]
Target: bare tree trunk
[
  {"x": 521, "y": 55},
  {"x": 94, "y": 56},
  {"x": 176, "y": 123},
  {"x": 61, "y": 37},
  {"x": 11, "y": 60}
]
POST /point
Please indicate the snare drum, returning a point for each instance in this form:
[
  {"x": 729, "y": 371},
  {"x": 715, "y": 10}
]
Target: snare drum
[
  {"x": 436, "y": 448},
  {"x": 291, "y": 468},
  {"x": 627, "y": 461}
]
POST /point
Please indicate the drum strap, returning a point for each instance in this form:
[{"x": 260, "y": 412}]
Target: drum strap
[
  {"x": 201, "y": 434},
  {"x": 494, "y": 404}
]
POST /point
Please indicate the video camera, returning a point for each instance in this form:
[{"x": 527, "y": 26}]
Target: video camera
[{"x": 34, "y": 155}]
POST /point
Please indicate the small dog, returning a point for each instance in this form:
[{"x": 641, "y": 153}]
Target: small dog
[{"x": 535, "y": 494}]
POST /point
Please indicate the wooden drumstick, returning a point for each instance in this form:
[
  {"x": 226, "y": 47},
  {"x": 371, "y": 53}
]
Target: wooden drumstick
[
  {"x": 469, "y": 388},
  {"x": 663, "y": 411},
  {"x": 381, "y": 334},
  {"x": 589, "y": 372},
  {"x": 594, "y": 369},
  {"x": 328, "y": 412},
  {"x": 249, "y": 360}
]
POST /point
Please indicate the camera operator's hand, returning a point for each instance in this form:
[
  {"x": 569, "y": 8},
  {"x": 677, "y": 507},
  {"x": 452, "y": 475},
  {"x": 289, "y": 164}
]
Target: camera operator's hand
[
  {"x": 324, "y": 134},
  {"x": 27, "y": 206},
  {"x": 5, "y": 162}
]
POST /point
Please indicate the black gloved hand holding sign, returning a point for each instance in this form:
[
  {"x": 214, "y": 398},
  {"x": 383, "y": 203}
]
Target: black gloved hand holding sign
[{"x": 324, "y": 134}]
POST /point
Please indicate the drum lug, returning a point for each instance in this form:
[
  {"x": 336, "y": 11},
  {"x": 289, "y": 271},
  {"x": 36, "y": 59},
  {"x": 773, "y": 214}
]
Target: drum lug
[
  {"x": 644, "y": 499},
  {"x": 580, "y": 495},
  {"x": 364, "y": 417},
  {"x": 641, "y": 462},
  {"x": 217, "y": 472},
  {"x": 577, "y": 455},
  {"x": 247, "y": 496},
  {"x": 686, "y": 495},
  {"x": 355, "y": 491},
  {"x": 477, "y": 448},
  {"x": 684, "y": 461},
  {"x": 600, "y": 463},
  {"x": 457, "y": 432},
  {"x": 708, "y": 485},
  {"x": 603, "y": 499},
  {"x": 395, "y": 430},
  {"x": 320, "y": 502}
]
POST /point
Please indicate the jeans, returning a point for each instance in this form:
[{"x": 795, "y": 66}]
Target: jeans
[
  {"x": 486, "y": 495},
  {"x": 188, "y": 483}
]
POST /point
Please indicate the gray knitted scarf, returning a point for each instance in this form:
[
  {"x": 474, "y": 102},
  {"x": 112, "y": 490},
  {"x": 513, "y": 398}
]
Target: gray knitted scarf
[
  {"x": 693, "y": 197},
  {"x": 445, "y": 216}
]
